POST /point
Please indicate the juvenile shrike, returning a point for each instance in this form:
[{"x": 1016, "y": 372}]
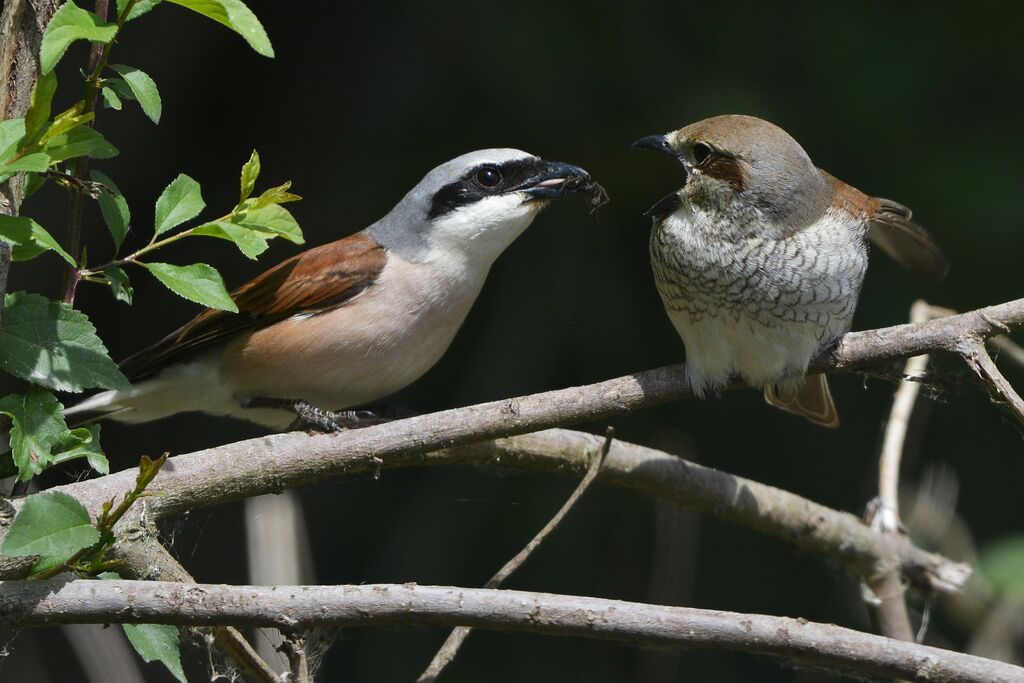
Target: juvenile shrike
[
  {"x": 350, "y": 322},
  {"x": 760, "y": 256}
]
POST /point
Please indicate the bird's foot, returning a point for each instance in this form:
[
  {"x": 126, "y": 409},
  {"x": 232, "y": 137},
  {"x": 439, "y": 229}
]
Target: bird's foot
[{"x": 314, "y": 418}]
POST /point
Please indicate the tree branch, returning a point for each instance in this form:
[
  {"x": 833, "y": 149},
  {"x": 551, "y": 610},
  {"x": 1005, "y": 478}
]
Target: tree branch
[
  {"x": 454, "y": 641},
  {"x": 1002, "y": 393},
  {"x": 21, "y": 33},
  {"x": 273, "y": 463},
  {"x": 295, "y": 607},
  {"x": 143, "y": 557},
  {"x": 886, "y": 594}
]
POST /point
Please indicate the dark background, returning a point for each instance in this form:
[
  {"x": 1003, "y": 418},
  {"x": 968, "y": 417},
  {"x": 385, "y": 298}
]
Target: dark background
[{"x": 898, "y": 99}]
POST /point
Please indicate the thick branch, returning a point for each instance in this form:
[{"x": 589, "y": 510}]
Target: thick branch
[
  {"x": 142, "y": 556},
  {"x": 274, "y": 463},
  {"x": 21, "y": 32},
  {"x": 296, "y": 607}
]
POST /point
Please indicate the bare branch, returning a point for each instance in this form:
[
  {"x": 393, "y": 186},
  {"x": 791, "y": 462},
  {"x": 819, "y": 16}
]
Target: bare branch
[
  {"x": 885, "y": 592},
  {"x": 142, "y": 556},
  {"x": 294, "y": 648},
  {"x": 1002, "y": 393},
  {"x": 451, "y": 645},
  {"x": 273, "y": 463},
  {"x": 292, "y": 607}
]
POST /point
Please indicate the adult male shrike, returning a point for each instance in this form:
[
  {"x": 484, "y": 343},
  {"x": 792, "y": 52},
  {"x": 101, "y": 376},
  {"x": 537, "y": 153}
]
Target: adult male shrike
[{"x": 350, "y": 322}]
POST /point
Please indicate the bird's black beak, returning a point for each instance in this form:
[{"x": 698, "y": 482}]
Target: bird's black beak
[
  {"x": 555, "y": 180},
  {"x": 657, "y": 143},
  {"x": 671, "y": 201}
]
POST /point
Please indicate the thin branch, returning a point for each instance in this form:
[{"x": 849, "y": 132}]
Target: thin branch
[
  {"x": 294, "y": 648},
  {"x": 450, "y": 647},
  {"x": 1002, "y": 393},
  {"x": 885, "y": 592},
  {"x": 295, "y": 607},
  {"x": 888, "y": 517}
]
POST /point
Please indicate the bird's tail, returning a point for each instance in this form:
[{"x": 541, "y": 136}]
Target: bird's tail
[
  {"x": 807, "y": 397},
  {"x": 103, "y": 405}
]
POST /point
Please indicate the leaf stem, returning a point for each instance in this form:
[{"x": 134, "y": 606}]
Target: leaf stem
[
  {"x": 99, "y": 56},
  {"x": 105, "y": 523}
]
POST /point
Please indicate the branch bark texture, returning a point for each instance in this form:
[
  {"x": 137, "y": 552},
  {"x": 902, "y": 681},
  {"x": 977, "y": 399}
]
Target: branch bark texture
[{"x": 296, "y": 607}]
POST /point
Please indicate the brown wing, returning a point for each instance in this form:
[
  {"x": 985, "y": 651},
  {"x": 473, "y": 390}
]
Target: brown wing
[
  {"x": 906, "y": 242},
  {"x": 890, "y": 227},
  {"x": 317, "y": 279}
]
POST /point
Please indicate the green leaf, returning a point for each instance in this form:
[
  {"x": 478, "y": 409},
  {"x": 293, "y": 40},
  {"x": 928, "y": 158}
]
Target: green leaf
[
  {"x": 12, "y": 131},
  {"x": 83, "y": 442},
  {"x": 79, "y": 142},
  {"x": 67, "y": 120},
  {"x": 37, "y": 163},
  {"x": 54, "y": 345},
  {"x": 138, "y": 9},
  {"x": 273, "y": 219},
  {"x": 180, "y": 201},
  {"x": 33, "y": 181},
  {"x": 237, "y": 17},
  {"x": 37, "y": 427},
  {"x": 250, "y": 172},
  {"x": 120, "y": 87},
  {"x": 197, "y": 282},
  {"x": 120, "y": 285},
  {"x": 144, "y": 89},
  {"x": 39, "y": 110},
  {"x": 71, "y": 23},
  {"x": 275, "y": 195},
  {"x": 50, "y": 524},
  {"x": 114, "y": 208},
  {"x": 156, "y": 642},
  {"x": 110, "y": 98},
  {"x": 28, "y": 239},
  {"x": 248, "y": 241}
]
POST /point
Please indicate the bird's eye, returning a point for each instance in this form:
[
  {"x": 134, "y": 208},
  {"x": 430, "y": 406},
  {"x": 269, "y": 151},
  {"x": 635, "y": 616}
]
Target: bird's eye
[
  {"x": 702, "y": 151},
  {"x": 488, "y": 177}
]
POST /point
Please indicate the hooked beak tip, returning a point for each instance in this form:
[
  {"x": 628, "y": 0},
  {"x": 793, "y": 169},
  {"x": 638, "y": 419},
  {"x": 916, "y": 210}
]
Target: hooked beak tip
[{"x": 657, "y": 143}]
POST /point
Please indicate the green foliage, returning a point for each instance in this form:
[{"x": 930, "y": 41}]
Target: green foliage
[
  {"x": 52, "y": 525},
  {"x": 54, "y": 345},
  {"x": 71, "y": 23},
  {"x": 110, "y": 98},
  {"x": 250, "y": 172},
  {"x": 86, "y": 444},
  {"x": 37, "y": 428},
  {"x": 179, "y": 202},
  {"x": 39, "y": 109},
  {"x": 143, "y": 89},
  {"x": 275, "y": 220},
  {"x": 138, "y": 9},
  {"x": 249, "y": 241},
  {"x": 120, "y": 285},
  {"x": 197, "y": 282},
  {"x": 237, "y": 17},
  {"x": 156, "y": 642},
  {"x": 12, "y": 131},
  {"x": 114, "y": 208},
  {"x": 28, "y": 239},
  {"x": 79, "y": 142}
]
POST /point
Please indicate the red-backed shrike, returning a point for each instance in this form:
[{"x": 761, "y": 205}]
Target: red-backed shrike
[
  {"x": 349, "y": 322},
  {"x": 760, "y": 256}
]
